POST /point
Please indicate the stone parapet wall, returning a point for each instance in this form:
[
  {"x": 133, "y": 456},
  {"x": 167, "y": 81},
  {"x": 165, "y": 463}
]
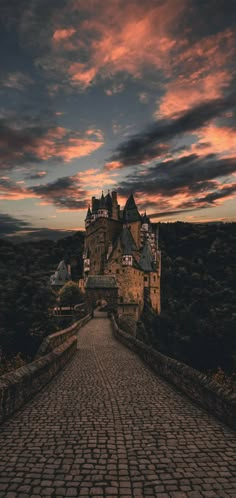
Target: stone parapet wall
[
  {"x": 17, "y": 387},
  {"x": 52, "y": 341},
  {"x": 197, "y": 386}
]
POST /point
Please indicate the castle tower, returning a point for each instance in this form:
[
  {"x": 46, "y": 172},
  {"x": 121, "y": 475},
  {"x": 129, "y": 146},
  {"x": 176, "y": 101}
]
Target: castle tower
[
  {"x": 132, "y": 219},
  {"x": 122, "y": 246},
  {"x": 115, "y": 206}
]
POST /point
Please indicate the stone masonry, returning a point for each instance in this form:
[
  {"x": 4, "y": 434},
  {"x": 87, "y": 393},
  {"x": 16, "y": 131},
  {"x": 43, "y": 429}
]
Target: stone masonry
[{"x": 107, "y": 426}]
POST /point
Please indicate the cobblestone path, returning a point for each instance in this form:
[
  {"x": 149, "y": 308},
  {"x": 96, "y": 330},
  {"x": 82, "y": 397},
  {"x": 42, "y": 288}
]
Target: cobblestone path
[{"x": 108, "y": 427}]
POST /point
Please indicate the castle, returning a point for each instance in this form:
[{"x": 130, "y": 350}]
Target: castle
[{"x": 122, "y": 263}]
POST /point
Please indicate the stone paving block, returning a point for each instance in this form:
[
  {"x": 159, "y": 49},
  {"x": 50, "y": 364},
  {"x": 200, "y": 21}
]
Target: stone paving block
[{"x": 107, "y": 426}]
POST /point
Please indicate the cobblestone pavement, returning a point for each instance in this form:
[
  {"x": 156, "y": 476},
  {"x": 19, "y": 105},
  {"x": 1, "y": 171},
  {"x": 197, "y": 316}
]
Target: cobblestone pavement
[{"x": 107, "y": 426}]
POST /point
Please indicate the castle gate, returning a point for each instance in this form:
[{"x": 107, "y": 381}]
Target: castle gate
[{"x": 101, "y": 287}]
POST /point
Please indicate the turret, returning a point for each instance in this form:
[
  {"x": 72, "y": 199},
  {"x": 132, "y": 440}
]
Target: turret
[
  {"x": 145, "y": 222},
  {"x": 102, "y": 211},
  {"x": 115, "y": 206},
  {"x": 88, "y": 218}
]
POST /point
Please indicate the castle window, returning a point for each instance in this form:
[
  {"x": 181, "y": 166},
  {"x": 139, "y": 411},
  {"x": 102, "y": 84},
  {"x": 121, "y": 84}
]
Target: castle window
[
  {"x": 127, "y": 260},
  {"x": 145, "y": 279},
  {"x": 117, "y": 271}
]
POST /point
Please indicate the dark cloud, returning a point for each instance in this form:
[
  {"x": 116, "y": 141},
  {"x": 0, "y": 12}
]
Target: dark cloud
[
  {"x": 16, "y": 142},
  {"x": 192, "y": 175},
  {"x": 211, "y": 197},
  {"x": 24, "y": 142},
  {"x": 150, "y": 143},
  {"x": 11, "y": 225},
  {"x": 18, "y": 230},
  {"x": 36, "y": 176},
  {"x": 64, "y": 192},
  {"x": 171, "y": 177}
]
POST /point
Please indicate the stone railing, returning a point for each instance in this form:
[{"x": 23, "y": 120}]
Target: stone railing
[
  {"x": 20, "y": 385},
  {"x": 208, "y": 394},
  {"x": 52, "y": 341}
]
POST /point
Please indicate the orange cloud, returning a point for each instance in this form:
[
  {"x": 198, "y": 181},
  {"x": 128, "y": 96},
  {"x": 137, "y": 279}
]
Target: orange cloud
[
  {"x": 81, "y": 75},
  {"x": 139, "y": 38},
  {"x": 112, "y": 165},
  {"x": 183, "y": 93},
  {"x": 58, "y": 143},
  {"x": 202, "y": 74},
  {"x": 218, "y": 140},
  {"x": 63, "y": 34},
  {"x": 95, "y": 177}
]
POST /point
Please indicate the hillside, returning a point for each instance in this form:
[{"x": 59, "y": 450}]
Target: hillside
[
  {"x": 198, "y": 320},
  {"x": 25, "y": 294}
]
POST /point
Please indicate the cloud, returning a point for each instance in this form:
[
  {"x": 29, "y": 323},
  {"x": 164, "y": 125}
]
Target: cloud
[
  {"x": 152, "y": 142},
  {"x": 12, "y": 191},
  {"x": 10, "y": 224},
  {"x": 16, "y": 81},
  {"x": 64, "y": 192},
  {"x": 83, "y": 48},
  {"x": 185, "y": 93},
  {"x": 24, "y": 143},
  {"x": 188, "y": 182},
  {"x": 36, "y": 176},
  {"x": 18, "y": 230},
  {"x": 63, "y": 34}
]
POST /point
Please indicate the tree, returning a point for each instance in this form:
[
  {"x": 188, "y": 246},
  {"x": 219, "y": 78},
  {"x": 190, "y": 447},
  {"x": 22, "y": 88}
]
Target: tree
[{"x": 70, "y": 294}]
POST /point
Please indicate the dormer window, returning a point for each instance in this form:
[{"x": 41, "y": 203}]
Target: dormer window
[{"x": 127, "y": 260}]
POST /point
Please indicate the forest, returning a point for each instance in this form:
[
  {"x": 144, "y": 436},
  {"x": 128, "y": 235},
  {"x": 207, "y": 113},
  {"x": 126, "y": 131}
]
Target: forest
[
  {"x": 197, "y": 323},
  {"x": 26, "y": 298}
]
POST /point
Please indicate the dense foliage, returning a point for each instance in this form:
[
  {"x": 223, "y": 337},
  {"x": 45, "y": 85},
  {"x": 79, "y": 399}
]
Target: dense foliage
[
  {"x": 197, "y": 324},
  {"x": 70, "y": 294},
  {"x": 26, "y": 297}
]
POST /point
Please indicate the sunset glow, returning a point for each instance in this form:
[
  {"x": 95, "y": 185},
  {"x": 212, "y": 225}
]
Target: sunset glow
[{"x": 128, "y": 96}]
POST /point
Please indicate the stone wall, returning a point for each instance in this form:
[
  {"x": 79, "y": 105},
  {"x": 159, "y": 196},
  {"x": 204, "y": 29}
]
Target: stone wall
[
  {"x": 197, "y": 386},
  {"x": 52, "y": 341},
  {"x": 17, "y": 387}
]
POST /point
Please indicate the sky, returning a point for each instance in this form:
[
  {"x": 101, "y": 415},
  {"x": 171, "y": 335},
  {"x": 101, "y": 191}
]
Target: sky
[{"x": 133, "y": 96}]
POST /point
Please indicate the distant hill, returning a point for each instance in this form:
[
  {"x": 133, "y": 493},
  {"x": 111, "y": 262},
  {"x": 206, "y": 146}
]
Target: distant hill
[{"x": 39, "y": 258}]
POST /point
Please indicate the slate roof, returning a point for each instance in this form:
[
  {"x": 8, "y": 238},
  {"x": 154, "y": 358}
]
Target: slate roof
[
  {"x": 95, "y": 205},
  {"x": 131, "y": 211},
  {"x": 146, "y": 261},
  {"x": 145, "y": 219},
  {"x": 127, "y": 242},
  {"x": 108, "y": 201},
  {"x": 61, "y": 275},
  {"x": 101, "y": 282},
  {"x": 88, "y": 213}
]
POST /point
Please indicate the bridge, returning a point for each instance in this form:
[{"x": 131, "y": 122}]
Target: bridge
[{"x": 108, "y": 426}]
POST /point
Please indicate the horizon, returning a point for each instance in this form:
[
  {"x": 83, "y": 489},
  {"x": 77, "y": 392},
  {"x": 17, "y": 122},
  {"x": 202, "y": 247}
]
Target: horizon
[{"x": 145, "y": 103}]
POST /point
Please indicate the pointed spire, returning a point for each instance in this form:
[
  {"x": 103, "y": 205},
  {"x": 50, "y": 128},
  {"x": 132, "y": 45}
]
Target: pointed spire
[
  {"x": 102, "y": 202},
  {"x": 131, "y": 211},
  {"x": 88, "y": 213}
]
